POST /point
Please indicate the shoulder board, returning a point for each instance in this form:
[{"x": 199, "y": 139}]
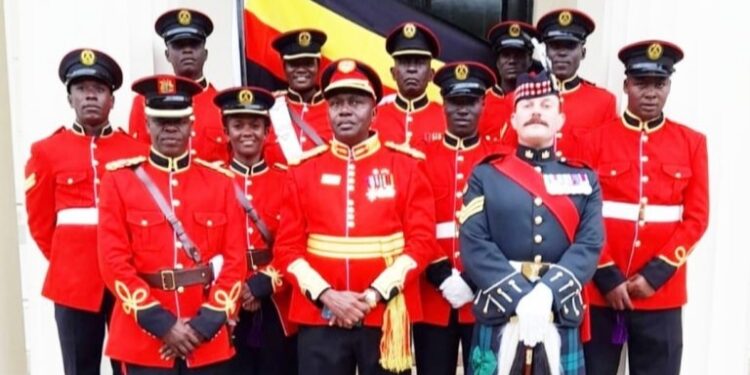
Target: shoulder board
[
  {"x": 499, "y": 155},
  {"x": 492, "y": 139},
  {"x": 122, "y": 163},
  {"x": 577, "y": 163},
  {"x": 309, "y": 154},
  {"x": 588, "y": 82},
  {"x": 217, "y": 166},
  {"x": 278, "y": 93},
  {"x": 406, "y": 149},
  {"x": 387, "y": 99},
  {"x": 280, "y": 166}
]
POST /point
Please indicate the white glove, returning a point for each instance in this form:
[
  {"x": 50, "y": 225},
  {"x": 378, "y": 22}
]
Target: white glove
[
  {"x": 216, "y": 263},
  {"x": 533, "y": 311},
  {"x": 455, "y": 290}
]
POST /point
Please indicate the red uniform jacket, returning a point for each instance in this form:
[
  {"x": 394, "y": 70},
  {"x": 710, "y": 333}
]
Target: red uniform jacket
[
  {"x": 347, "y": 214},
  {"x": 586, "y": 107},
  {"x": 414, "y": 122},
  {"x": 448, "y": 167},
  {"x": 62, "y": 191},
  {"x": 209, "y": 141},
  {"x": 314, "y": 113},
  {"x": 261, "y": 185},
  {"x": 654, "y": 179},
  {"x": 495, "y": 119},
  {"x": 135, "y": 238}
]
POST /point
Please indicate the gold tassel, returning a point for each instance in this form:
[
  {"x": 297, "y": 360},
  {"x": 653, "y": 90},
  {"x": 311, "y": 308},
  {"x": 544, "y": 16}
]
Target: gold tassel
[{"x": 395, "y": 342}]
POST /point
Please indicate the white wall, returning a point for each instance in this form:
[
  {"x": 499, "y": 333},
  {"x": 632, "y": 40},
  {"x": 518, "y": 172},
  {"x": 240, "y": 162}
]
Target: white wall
[
  {"x": 709, "y": 92},
  {"x": 39, "y": 33}
]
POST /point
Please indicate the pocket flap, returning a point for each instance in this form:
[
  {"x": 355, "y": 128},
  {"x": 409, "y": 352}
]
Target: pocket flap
[
  {"x": 144, "y": 218},
  {"x": 70, "y": 178},
  {"x": 210, "y": 219},
  {"x": 677, "y": 171},
  {"x": 613, "y": 169}
]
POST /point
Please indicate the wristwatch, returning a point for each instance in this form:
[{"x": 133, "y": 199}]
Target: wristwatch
[{"x": 371, "y": 297}]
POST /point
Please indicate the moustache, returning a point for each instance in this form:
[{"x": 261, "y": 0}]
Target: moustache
[{"x": 536, "y": 121}]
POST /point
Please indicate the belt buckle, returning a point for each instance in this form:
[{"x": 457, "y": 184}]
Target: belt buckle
[
  {"x": 533, "y": 270},
  {"x": 168, "y": 280}
]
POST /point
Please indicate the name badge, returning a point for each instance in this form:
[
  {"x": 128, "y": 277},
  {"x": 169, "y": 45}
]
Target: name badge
[
  {"x": 330, "y": 179},
  {"x": 567, "y": 184}
]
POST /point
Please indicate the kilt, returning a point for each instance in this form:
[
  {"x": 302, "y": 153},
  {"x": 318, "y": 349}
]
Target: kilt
[{"x": 485, "y": 349}]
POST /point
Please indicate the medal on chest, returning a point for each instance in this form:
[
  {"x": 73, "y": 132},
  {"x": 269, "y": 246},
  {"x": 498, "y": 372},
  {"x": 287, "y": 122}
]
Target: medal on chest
[
  {"x": 567, "y": 184},
  {"x": 380, "y": 185}
]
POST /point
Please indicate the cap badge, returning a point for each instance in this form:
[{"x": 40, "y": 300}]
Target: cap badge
[
  {"x": 565, "y": 18},
  {"x": 346, "y": 66},
  {"x": 166, "y": 86},
  {"x": 654, "y": 51},
  {"x": 514, "y": 30},
  {"x": 304, "y": 38},
  {"x": 245, "y": 97},
  {"x": 461, "y": 72},
  {"x": 88, "y": 57},
  {"x": 184, "y": 17},
  {"x": 410, "y": 30}
]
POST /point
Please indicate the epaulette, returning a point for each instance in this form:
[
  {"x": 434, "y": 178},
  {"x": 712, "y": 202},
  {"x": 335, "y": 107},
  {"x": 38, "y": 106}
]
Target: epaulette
[
  {"x": 217, "y": 166},
  {"x": 577, "y": 163},
  {"x": 406, "y": 149},
  {"x": 280, "y": 166},
  {"x": 278, "y": 93},
  {"x": 492, "y": 157},
  {"x": 309, "y": 154},
  {"x": 492, "y": 139},
  {"x": 122, "y": 163},
  {"x": 587, "y": 82}
]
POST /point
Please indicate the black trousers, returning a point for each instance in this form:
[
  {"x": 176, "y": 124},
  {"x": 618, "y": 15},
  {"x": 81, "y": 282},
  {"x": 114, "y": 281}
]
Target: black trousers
[
  {"x": 180, "y": 368},
  {"x": 436, "y": 347},
  {"x": 262, "y": 348},
  {"x": 654, "y": 342},
  {"x": 339, "y": 351},
  {"x": 81, "y": 336}
]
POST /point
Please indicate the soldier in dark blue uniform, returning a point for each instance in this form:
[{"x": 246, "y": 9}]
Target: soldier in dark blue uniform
[{"x": 531, "y": 234}]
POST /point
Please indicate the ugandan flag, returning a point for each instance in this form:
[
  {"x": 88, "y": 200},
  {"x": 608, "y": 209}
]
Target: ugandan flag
[{"x": 355, "y": 29}]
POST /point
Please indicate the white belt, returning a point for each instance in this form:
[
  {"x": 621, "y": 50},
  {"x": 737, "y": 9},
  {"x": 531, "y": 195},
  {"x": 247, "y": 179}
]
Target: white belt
[
  {"x": 651, "y": 213},
  {"x": 78, "y": 216},
  {"x": 446, "y": 229}
]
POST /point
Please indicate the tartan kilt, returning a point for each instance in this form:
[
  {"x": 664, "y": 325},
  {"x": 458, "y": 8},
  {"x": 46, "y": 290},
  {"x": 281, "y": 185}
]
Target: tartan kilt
[{"x": 485, "y": 349}]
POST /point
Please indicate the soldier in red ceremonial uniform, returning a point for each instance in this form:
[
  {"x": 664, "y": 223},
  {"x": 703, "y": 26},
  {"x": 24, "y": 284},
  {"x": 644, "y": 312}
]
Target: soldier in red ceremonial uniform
[
  {"x": 265, "y": 340},
  {"x": 446, "y": 293},
  {"x": 586, "y": 106},
  {"x": 654, "y": 176},
  {"x": 300, "y": 114},
  {"x": 171, "y": 246},
  {"x": 409, "y": 117},
  {"x": 63, "y": 177},
  {"x": 357, "y": 228},
  {"x": 184, "y": 32},
  {"x": 512, "y": 41}
]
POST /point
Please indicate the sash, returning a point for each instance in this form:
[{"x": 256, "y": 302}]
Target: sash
[{"x": 561, "y": 206}]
